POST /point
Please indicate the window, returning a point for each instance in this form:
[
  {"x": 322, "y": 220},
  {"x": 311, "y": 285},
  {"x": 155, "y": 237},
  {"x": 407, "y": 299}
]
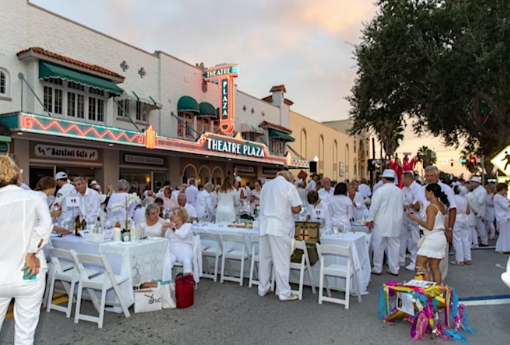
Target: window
[
  {"x": 249, "y": 136},
  {"x": 303, "y": 150},
  {"x": 123, "y": 108},
  {"x": 4, "y": 82},
  {"x": 277, "y": 146},
  {"x": 74, "y": 100},
  {"x": 354, "y": 144},
  {"x": 216, "y": 126},
  {"x": 203, "y": 125},
  {"x": 142, "y": 110},
  {"x": 185, "y": 126}
]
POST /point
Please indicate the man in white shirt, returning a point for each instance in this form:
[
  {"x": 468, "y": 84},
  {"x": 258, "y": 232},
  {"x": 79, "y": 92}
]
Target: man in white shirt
[
  {"x": 364, "y": 189},
  {"x": 247, "y": 192},
  {"x": 162, "y": 189},
  {"x": 192, "y": 212},
  {"x": 279, "y": 201},
  {"x": 25, "y": 228},
  {"x": 326, "y": 191},
  {"x": 89, "y": 205},
  {"x": 386, "y": 213},
  {"x": 377, "y": 186},
  {"x": 65, "y": 190},
  {"x": 214, "y": 197},
  {"x": 205, "y": 208},
  {"x": 168, "y": 202},
  {"x": 192, "y": 192},
  {"x": 414, "y": 197},
  {"x": 481, "y": 198},
  {"x": 313, "y": 183},
  {"x": 432, "y": 176}
]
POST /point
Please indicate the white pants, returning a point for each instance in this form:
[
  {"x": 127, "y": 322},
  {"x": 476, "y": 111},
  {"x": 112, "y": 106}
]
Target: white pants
[
  {"x": 274, "y": 251},
  {"x": 473, "y": 236},
  {"x": 443, "y": 264},
  {"x": 28, "y": 296},
  {"x": 490, "y": 228},
  {"x": 461, "y": 242},
  {"x": 481, "y": 230},
  {"x": 409, "y": 238},
  {"x": 178, "y": 252},
  {"x": 392, "y": 247}
]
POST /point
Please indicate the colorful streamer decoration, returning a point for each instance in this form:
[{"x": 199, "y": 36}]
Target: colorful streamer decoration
[{"x": 428, "y": 303}]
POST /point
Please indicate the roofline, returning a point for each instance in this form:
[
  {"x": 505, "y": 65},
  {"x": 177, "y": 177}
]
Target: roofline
[
  {"x": 321, "y": 123},
  {"x": 258, "y": 99}
]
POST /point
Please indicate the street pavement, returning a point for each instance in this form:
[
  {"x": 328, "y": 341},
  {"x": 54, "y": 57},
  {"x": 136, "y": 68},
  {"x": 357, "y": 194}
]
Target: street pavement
[{"x": 230, "y": 314}]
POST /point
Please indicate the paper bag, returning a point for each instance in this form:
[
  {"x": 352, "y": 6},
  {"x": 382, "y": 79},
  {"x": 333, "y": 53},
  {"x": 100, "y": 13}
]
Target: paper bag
[
  {"x": 147, "y": 300},
  {"x": 167, "y": 295}
]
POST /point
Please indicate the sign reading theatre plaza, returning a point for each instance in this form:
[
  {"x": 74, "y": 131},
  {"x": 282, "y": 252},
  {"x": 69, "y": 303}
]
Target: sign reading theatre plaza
[{"x": 244, "y": 149}]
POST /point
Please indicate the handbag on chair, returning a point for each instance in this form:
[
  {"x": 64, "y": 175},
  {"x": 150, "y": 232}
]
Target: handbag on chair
[{"x": 185, "y": 291}]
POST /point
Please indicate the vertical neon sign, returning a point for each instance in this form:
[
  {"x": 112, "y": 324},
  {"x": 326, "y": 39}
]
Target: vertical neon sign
[{"x": 225, "y": 75}]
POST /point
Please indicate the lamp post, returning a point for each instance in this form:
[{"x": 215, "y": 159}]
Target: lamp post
[{"x": 316, "y": 159}]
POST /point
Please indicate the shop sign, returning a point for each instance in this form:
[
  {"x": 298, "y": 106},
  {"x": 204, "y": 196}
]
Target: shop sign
[
  {"x": 53, "y": 151},
  {"x": 143, "y": 160},
  {"x": 270, "y": 171},
  {"x": 4, "y": 147},
  {"x": 244, "y": 169},
  {"x": 243, "y": 149}
]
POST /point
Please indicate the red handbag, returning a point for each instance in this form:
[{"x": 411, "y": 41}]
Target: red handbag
[{"x": 184, "y": 291}]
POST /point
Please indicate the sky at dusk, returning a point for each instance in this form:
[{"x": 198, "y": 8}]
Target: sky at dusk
[{"x": 304, "y": 44}]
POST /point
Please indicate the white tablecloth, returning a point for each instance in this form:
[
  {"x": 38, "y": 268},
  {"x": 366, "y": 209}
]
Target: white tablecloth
[{"x": 141, "y": 261}]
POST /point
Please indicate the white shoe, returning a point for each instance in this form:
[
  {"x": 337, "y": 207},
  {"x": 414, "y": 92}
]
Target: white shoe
[
  {"x": 402, "y": 264},
  {"x": 410, "y": 267},
  {"x": 292, "y": 297}
]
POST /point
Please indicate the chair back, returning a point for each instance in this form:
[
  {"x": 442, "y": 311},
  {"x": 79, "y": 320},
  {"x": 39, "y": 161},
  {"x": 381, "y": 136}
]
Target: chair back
[
  {"x": 96, "y": 260},
  {"x": 324, "y": 250},
  {"x": 56, "y": 255},
  {"x": 254, "y": 240},
  {"x": 237, "y": 238}
]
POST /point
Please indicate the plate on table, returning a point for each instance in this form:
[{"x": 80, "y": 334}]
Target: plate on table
[{"x": 124, "y": 243}]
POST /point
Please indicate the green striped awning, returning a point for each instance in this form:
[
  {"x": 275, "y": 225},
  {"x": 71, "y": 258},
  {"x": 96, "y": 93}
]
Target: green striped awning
[
  {"x": 47, "y": 70},
  {"x": 207, "y": 109},
  {"x": 187, "y": 103},
  {"x": 275, "y": 134}
]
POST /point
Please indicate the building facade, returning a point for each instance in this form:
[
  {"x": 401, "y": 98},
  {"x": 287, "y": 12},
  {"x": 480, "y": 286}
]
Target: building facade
[{"x": 75, "y": 100}]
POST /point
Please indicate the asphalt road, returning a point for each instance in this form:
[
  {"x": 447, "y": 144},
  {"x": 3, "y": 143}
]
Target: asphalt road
[{"x": 230, "y": 314}]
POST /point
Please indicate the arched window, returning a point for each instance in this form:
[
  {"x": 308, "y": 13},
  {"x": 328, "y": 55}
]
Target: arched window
[
  {"x": 4, "y": 82},
  {"x": 335, "y": 159},
  {"x": 303, "y": 150},
  {"x": 321, "y": 154}
]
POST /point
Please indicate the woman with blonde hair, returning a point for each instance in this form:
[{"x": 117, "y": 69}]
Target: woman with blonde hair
[
  {"x": 24, "y": 229},
  {"x": 180, "y": 243},
  {"x": 228, "y": 202}
]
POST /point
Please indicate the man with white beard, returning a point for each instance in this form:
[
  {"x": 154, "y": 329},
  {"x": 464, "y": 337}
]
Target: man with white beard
[
  {"x": 386, "y": 213},
  {"x": 414, "y": 196}
]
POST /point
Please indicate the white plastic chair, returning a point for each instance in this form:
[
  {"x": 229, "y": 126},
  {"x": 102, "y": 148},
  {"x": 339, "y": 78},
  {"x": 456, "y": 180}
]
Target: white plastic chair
[
  {"x": 211, "y": 249},
  {"x": 196, "y": 253},
  {"x": 254, "y": 261},
  {"x": 231, "y": 252},
  {"x": 346, "y": 271},
  {"x": 104, "y": 282},
  {"x": 62, "y": 269},
  {"x": 368, "y": 238},
  {"x": 303, "y": 266}
]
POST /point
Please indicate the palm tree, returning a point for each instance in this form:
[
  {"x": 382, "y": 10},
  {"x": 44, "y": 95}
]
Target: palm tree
[
  {"x": 390, "y": 134},
  {"x": 426, "y": 156}
]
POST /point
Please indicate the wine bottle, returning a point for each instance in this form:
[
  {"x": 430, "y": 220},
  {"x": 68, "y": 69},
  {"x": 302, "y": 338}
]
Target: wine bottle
[
  {"x": 83, "y": 224},
  {"x": 77, "y": 226}
]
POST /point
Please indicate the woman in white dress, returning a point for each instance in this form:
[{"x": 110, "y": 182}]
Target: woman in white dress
[
  {"x": 502, "y": 208},
  {"x": 340, "y": 207},
  {"x": 461, "y": 231},
  {"x": 153, "y": 225},
  {"x": 119, "y": 197},
  {"x": 255, "y": 195},
  {"x": 318, "y": 210},
  {"x": 432, "y": 245},
  {"x": 180, "y": 243},
  {"x": 490, "y": 215},
  {"x": 360, "y": 210},
  {"x": 228, "y": 202}
]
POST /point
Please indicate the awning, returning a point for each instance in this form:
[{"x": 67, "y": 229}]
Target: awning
[
  {"x": 246, "y": 128},
  {"x": 207, "y": 109},
  {"x": 274, "y": 134},
  {"x": 47, "y": 70},
  {"x": 187, "y": 103},
  {"x": 5, "y": 139},
  {"x": 140, "y": 98}
]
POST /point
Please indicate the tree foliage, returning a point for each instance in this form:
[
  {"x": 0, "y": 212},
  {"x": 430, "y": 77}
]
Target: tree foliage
[
  {"x": 443, "y": 63},
  {"x": 426, "y": 156}
]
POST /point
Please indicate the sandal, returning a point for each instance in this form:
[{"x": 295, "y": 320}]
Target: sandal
[
  {"x": 467, "y": 262},
  {"x": 457, "y": 263}
]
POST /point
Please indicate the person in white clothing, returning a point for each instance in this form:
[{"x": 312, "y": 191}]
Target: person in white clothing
[
  {"x": 205, "y": 208},
  {"x": 413, "y": 200},
  {"x": 502, "y": 209},
  {"x": 302, "y": 192},
  {"x": 153, "y": 224},
  {"x": 89, "y": 206},
  {"x": 471, "y": 217},
  {"x": 378, "y": 185},
  {"x": 318, "y": 210},
  {"x": 326, "y": 191},
  {"x": 481, "y": 198},
  {"x": 364, "y": 189},
  {"x": 432, "y": 247},
  {"x": 190, "y": 209},
  {"x": 360, "y": 210},
  {"x": 255, "y": 195},
  {"x": 341, "y": 208},
  {"x": 46, "y": 186},
  {"x": 313, "y": 183},
  {"x": 65, "y": 189},
  {"x": 278, "y": 203},
  {"x": 490, "y": 215},
  {"x": 247, "y": 192},
  {"x": 228, "y": 202},
  {"x": 386, "y": 213},
  {"x": 461, "y": 230},
  {"x": 191, "y": 192},
  {"x": 116, "y": 210},
  {"x": 180, "y": 243},
  {"x": 25, "y": 229},
  {"x": 214, "y": 197}
]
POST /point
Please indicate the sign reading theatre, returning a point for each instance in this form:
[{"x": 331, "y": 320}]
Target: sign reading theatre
[{"x": 244, "y": 149}]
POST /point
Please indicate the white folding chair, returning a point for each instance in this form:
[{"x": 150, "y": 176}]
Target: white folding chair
[
  {"x": 231, "y": 251},
  {"x": 346, "y": 271},
  {"x": 196, "y": 253},
  {"x": 104, "y": 282},
  {"x": 303, "y": 266},
  {"x": 211, "y": 248},
  {"x": 62, "y": 269},
  {"x": 368, "y": 238},
  {"x": 254, "y": 261}
]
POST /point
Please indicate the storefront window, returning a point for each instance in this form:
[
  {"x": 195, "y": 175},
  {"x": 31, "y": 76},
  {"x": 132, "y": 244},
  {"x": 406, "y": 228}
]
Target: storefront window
[
  {"x": 185, "y": 126},
  {"x": 216, "y": 126},
  {"x": 278, "y": 147},
  {"x": 141, "y": 180}
]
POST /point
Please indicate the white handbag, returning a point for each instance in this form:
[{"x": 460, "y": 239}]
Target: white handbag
[
  {"x": 147, "y": 300},
  {"x": 167, "y": 290}
]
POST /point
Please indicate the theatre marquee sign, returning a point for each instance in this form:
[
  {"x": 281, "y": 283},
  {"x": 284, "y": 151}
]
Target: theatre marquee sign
[{"x": 232, "y": 147}]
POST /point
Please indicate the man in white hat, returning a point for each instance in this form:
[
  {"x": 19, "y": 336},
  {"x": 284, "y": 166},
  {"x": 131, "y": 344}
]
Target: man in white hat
[
  {"x": 386, "y": 213},
  {"x": 65, "y": 190},
  {"x": 93, "y": 184},
  {"x": 481, "y": 199}
]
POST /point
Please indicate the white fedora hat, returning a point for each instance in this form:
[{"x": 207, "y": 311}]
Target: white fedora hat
[
  {"x": 389, "y": 174},
  {"x": 475, "y": 179}
]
